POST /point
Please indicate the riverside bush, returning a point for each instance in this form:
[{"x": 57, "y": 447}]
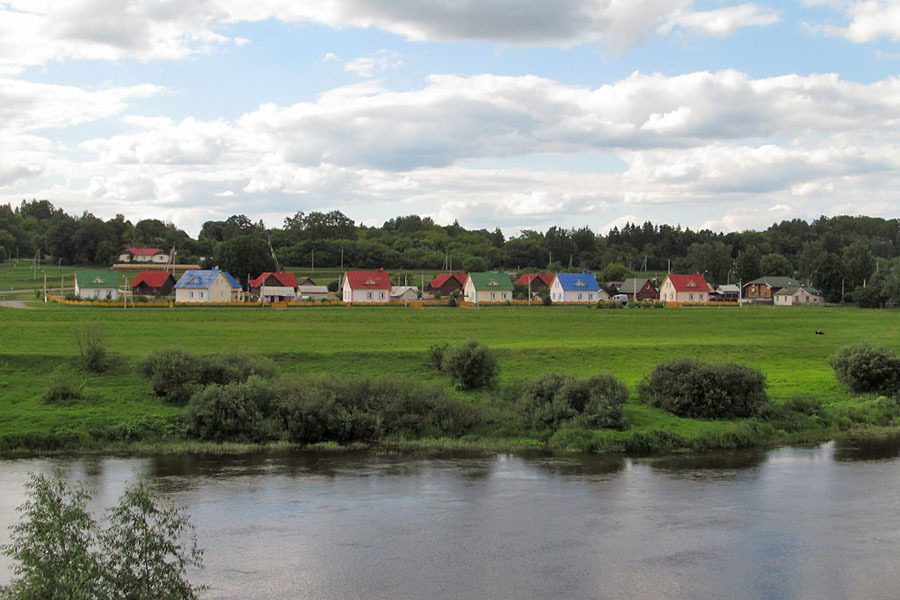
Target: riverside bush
[
  {"x": 865, "y": 369},
  {"x": 65, "y": 386},
  {"x": 470, "y": 365},
  {"x": 235, "y": 412},
  {"x": 557, "y": 400},
  {"x": 693, "y": 388}
]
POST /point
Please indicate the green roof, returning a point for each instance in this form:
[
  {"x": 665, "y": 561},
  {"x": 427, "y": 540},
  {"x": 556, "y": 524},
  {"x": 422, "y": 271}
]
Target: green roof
[
  {"x": 491, "y": 281},
  {"x": 776, "y": 282},
  {"x": 106, "y": 278}
]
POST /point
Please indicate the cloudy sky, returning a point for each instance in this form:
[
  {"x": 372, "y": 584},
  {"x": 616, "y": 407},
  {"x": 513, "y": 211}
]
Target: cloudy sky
[{"x": 510, "y": 113}]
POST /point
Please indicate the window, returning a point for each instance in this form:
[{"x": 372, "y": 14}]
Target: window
[
  {"x": 191, "y": 294},
  {"x": 493, "y": 296},
  {"x": 201, "y": 295},
  {"x": 590, "y": 296},
  {"x": 368, "y": 295},
  {"x": 579, "y": 296},
  {"x": 381, "y": 295},
  {"x": 691, "y": 296}
]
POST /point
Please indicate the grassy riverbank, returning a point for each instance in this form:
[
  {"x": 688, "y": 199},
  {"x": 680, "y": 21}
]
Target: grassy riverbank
[{"x": 118, "y": 408}]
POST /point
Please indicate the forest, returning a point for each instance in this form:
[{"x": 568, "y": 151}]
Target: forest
[{"x": 851, "y": 258}]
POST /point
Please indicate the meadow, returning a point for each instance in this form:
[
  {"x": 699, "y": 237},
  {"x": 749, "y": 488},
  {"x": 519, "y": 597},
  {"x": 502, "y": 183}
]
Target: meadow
[{"x": 392, "y": 342}]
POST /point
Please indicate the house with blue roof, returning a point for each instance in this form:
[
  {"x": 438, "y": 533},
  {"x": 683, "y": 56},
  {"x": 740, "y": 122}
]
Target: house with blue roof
[
  {"x": 207, "y": 285},
  {"x": 576, "y": 287}
]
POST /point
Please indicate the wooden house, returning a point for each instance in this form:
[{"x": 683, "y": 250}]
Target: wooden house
[
  {"x": 207, "y": 285},
  {"x": 404, "y": 293},
  {"x": 447, "y": 283},
  {"x": 366, "y": 286},
  {"x": 488, "y": 287},
  {"x": 798, "y": 295},
  {"x": 97, "y": 284},
  {"x": 765, "y": 288},
  {"x": 684, "y": 288},
  {"x": 143, "y": 255},
  {"x": 153, "y": 283},
  {"x": 639, "y": 288},
  {"x": 576, "y": 288},
  {"x": 274, "y": 287},
  {"x": 535, "y": 281}
]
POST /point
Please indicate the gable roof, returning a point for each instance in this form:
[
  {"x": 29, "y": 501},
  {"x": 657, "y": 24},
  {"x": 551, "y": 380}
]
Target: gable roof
[
  {"x": 369, "y": 280},
  {"x": 105, "y": 278},
  {"x": 203, "y": 278},
  {"x": 793, "y": 289},
  {"x": 285, "y": 279},
  {"x": 143, "y": 251},
  {"x": 527, "y": 278},
  {"x": 578, "y": 282},
  {"x": 152, "y": 278},
  {"x": 496, "y": 280},
  {"x": 775, "y": 282},
  {"x": 441, "y": 279},
  {"x": 633, "y": 284},
  {"x": 688, "y": 283}
]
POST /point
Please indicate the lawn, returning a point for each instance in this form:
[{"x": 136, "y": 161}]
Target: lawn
[{"x": 393, "y": 342}]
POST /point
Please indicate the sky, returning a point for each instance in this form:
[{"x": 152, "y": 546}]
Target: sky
[{"x": 518, "y": 114}]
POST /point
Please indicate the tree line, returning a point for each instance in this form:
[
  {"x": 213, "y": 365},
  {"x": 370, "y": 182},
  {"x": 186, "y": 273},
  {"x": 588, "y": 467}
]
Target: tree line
[{"x": 844, "y": 256}]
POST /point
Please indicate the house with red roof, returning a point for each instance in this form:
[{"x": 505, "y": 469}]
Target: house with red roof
[
  {"x": 536, "y": 281},
  {"x": 684, "y": 288},
  {"x": 447, "y": 283},
  {"x": 274, "y": 287},
  {"x": 153, "y": 283},
  {"x": 366, "y": 286},
  {"x": 144, "y": 255}
]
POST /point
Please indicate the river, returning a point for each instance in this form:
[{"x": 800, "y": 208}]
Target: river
[{"x": 819, "y": 522}]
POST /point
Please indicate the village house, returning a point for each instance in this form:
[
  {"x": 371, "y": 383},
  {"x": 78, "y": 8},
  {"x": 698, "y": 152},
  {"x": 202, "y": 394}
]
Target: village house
[
  {"x": 729, "y": 292},
  {"x": 488, "y": 287},
  {"x": 143, "y": 255},
  {"x": 404, "y": 293},
  {"x": 639, "y": 288},
  {"x": 535, "y": 281},
  {"x": 576, "y": 287},
  {"x": 366, "y": 286},
  {"x": 97, "y": 285},
  {"x": 207, "y": 285},
  {"x": 153, "y": 283},
  {"x": 765, "y": 288},
  {"x": 447, "y": 283},
  {"x": 311, "y": 291},
  {"x": 684, "y": 288},
  {"x": 798, "y": 296},
  {"x": 274, "y": 287}
]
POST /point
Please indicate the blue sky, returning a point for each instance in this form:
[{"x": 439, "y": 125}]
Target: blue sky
[{"x": 510, "y": 113}]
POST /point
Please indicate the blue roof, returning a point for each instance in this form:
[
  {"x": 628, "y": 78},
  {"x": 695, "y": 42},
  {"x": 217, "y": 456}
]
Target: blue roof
[
  {"x": 196, "y": 278},
  {"x": 578, "y": 281}
]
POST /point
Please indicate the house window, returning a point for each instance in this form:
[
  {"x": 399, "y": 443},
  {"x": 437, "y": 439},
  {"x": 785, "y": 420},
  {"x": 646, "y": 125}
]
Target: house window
[
  {"x": 493, "y": 296},
  {"x": 579, "y": 296},
  {"x": 191, "y": 294},
  {"x": 691, "y": 296},
  {"x": 504, "y": 295},
  {"x": 201, "y": 295},
  {"x": 381, "y": 295},
  {"x": 368, "y": 295},
  {"x": 590, "y": 296}
]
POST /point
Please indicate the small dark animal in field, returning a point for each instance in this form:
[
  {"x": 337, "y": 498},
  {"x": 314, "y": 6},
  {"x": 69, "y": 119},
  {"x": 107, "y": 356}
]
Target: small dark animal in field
[{"x": 820, "y": 333}]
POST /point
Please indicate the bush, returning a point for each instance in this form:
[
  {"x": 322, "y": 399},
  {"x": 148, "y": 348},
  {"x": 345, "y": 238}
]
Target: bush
[
  {"x": 452, "y": 302},
  {"x": 91, "y": 348},
  {"x": 65, "y": 386},
  {"x": 693, "y": 388},
  {"x": 546, "y": 301},
  {"x": 63, "y": 553},
  {"x": 333, "y": 286},
  {"x": 864, "y": 369},
  {"x": 555, "y": 401},
  {"x": 436, "y": 355},
  {"x": 470, "y": 365},
  {"x": 236, "y": 412}
]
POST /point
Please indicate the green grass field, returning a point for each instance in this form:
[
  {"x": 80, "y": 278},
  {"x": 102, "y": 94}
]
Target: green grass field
[{"x": 393, "y": 342}]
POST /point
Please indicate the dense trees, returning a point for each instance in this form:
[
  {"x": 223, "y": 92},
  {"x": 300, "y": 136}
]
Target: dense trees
[{"x": 849, "y": 253}]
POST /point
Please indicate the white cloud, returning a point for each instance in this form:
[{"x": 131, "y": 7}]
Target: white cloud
[
  {"x": 868, "y": 20},
  {"x": 721, "y": 22},
  {"x": 381, "y": 61}
]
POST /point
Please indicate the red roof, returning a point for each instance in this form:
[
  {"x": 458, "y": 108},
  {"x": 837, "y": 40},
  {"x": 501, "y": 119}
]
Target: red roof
[
  {"x": 369, "y": 280},
  {"x": 527, "y": 278},
  {"x": 151, "y": 278},
  {"x": 285, "y": 279},
  {"x": 143, "y": 251},
  {"x": 689, "y": 283},
  {"x": 443, "y": 277}
]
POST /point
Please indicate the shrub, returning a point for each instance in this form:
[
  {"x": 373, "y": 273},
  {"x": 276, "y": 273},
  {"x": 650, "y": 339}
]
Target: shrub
[
  {"x": 693, "y": 388},
  {"x": 91, "y": 347},
  {"x": 452, "y": 302},
  {"x": 173, "y": 373},
  {"x": 234, "y": 368},
  {"x": 557, "y": 400},
  {"x": 65, "y": 386},
  {"x": 436, "y": 355},
  {"x": 546, "y": 301},
  {"x": 333, "y": 286},
  {"x": 470, "y": 365},
  {"x": 865, "y": 369},
  {"x": 237, "y": 412}
]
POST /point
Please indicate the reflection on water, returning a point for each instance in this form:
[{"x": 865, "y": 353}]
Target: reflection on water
[{"x": 816, "y": 522}]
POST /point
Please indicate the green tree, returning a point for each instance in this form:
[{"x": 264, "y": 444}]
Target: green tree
[
  {"x": 244, "y": 255},
  {"x": 776, "y": 265},
  {"x": 749, "y": 265},
  {"x": 828, "y": 275},
  {"x": 475, "y": 264}
]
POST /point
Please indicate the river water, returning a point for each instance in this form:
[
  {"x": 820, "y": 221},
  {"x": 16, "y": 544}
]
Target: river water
[{"x": 815, "y": 523}]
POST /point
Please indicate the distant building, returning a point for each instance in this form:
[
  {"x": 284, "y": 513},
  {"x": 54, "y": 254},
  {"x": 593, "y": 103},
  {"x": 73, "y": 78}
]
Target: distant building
[
  {"x": 207, "y": 285},
  {"x": 639, "y": 288},
  {"x": 447, "y": 283},
  {"x": 97, "y": 284},
  {"x": 576, "y": 288},
  {"x": 404, "y": 293},
  {"x": 684, "y": 288},
  {"x": 536, "y": 281},
  {"x": 488, "y": 287},
  {"x": 366, "y": 286},
  {"x": 798, "y": 296},
  {"x": 274, "y": 287},
  {"x": 311, "y": 291},
  {"x": 730, "y": 292},
  {"x": 143, "y": 255},
  {"x": 153, "y": 283},
  {"x": 765, "y": 288}
]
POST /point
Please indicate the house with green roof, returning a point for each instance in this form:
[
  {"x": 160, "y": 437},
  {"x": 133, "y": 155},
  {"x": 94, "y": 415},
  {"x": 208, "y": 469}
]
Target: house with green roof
[
  {"x": 97, "y": 285},
  {"x": 765, "y": 288},
  {"x": 482, "y": 288}
]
